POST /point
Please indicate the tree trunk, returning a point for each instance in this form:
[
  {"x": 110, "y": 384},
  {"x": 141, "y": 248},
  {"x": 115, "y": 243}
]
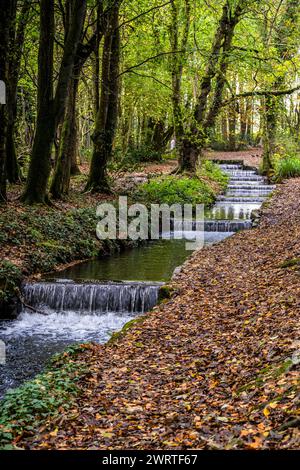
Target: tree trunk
[
  {"x": 5, "y": 21},
  {"x": 17, "y": 35},
  {"x": 51, "y": 112},
  {"x": 286, "y": 51},
  {"x": 217, "y": 65},
  {"x": 177, "y": 65},
  {"x": 269, "y": 134},
  {"x": 107, "y": 116},
  {"x": 189, "y": 156},
  {"x": 67, "y": 148}
]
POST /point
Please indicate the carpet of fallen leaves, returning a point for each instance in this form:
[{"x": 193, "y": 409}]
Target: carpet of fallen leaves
[
  {"x": 251, "y": 157},
  {"x": 215, "y": 367}
]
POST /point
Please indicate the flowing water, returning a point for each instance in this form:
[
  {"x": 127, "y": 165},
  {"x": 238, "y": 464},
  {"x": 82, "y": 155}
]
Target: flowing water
[{"x": 91, "y": 300}]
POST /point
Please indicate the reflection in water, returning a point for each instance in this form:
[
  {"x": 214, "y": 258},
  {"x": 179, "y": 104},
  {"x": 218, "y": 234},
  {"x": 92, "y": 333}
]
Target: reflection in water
[{"x": 155, "y": 261}]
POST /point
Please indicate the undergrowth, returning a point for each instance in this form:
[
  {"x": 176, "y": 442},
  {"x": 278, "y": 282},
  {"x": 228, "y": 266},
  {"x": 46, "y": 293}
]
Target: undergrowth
[
  {"x": 183, "y": 189},
  {"x": 48, "y": 395}
]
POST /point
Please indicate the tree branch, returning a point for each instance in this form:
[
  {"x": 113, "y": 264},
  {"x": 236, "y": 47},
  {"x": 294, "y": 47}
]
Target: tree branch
[
  {"x": 260, "y": 93},
  {"x": 150, "y": 76},
  {"x": 148, "y": 60},
  {"x": 144, "y": 13}
]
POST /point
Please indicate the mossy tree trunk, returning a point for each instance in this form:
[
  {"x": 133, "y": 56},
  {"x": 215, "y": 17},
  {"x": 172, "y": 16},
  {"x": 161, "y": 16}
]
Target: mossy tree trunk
[
  {"x": 269, "y": 133},
  {"x": 107, "y": 116},
  {"x": 17, "y": 36},
  {"x": 286, "y": 51},
  {"x": 51, "y": 111},
  {"x": 5, "y": 26},
  {"x": 67, "y": 161},
  {"x": 204, "y": 118},
  {"x": 178, "y": 63},
  {"x": 61, "y": 178}
]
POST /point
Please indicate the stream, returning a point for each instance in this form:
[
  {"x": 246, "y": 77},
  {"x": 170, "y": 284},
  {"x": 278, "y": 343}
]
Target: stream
[{"x": 91, "y": 300}]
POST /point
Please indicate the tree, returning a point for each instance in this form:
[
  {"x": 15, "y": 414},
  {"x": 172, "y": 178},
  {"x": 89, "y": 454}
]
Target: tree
[
  {"x": 177, "y": 61},
  {"x": 217, "y": 64},
  {"x": 107, "y": 116},
  {"x": 51, "y": 109},
  {"x": 66, "y": 164},
  {"x": 5, "y": 25},
  {"x": 17, "y": 37},
  {"x": 285, "y": 51}
]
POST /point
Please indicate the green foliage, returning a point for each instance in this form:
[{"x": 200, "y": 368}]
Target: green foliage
[
  {"x": 290, "y": 263},
  {"x": 46, "y": 395},
  {"x": 132, "y": 159},
  {"x": 50, "y": 238},
  {"x": 176, "y": 190},
  {"x": 201, "y": 189},
  {"x": 288, "y": 167},
  {"x": 209, "y": 170},
  {"x": 10, "y": 276}
]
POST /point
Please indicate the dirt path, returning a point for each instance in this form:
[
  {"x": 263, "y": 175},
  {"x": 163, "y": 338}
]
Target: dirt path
[{"x": 217, "y": 366}]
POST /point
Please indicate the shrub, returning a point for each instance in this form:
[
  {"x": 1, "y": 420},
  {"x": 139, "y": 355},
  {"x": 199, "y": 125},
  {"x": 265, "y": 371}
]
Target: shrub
[
  {"x": 133, "y": 158},
  {"x": 209, "y": 170},
  {"x": 48, "y": 394},
  {"x": 288, "y": 167},
  {"x": 10, "y": 277},
  {"x": 176, "y": 190}
]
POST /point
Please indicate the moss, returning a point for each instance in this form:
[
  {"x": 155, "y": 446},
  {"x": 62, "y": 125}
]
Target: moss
[
  {"x": 128, "y": 326},
  {"x": 290, "y": 263},
  {"x": 165, "y": 293},
  {"x": 268, "y": 373},
  {"x": 202, "y": 188}
]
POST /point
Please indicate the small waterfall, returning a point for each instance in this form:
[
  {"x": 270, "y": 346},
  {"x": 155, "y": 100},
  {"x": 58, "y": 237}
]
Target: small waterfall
[
  {"x": 95, "y": 299},
  {"x": 250, "y": 187},
  {"x": 241, "y": 199},
  {"x": 249, "y": 192},
  {"x": 235, "y": 166},
  {"x": 241, "y": 173},
  {"x": 227, "y": 225},
  {"x": 252, "y": 178}
]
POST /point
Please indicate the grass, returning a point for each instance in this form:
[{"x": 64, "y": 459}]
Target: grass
[{"x": 288, "y": 167}]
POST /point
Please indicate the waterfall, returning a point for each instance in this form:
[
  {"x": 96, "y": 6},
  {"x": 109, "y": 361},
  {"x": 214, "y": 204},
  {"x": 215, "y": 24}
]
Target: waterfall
[
  {"x": 241, "y": 173},
  {"x": 88, "y": 298},
  {"x": 249, "y": 192},
  {"x": 228, "y": 210},
  {"x": 234, "y": 166},
  {"x": 248, "y": 178},
  {"x": 227, "y": 225},
  {"x": 241, "y": 199}
]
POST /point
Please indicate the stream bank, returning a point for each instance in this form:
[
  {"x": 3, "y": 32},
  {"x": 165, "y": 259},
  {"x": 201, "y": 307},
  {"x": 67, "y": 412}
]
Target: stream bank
[
  {"x": 40, "y": 239},
  {"x": 215, "y": 367},
  {"x": 92, "y": 300},
  {"x": 215, "y": 298}
]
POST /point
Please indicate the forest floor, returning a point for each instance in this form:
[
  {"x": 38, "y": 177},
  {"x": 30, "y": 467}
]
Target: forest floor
[
  {"x": 251, "y": 157},
  {"x": 214, "y": 367}
]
